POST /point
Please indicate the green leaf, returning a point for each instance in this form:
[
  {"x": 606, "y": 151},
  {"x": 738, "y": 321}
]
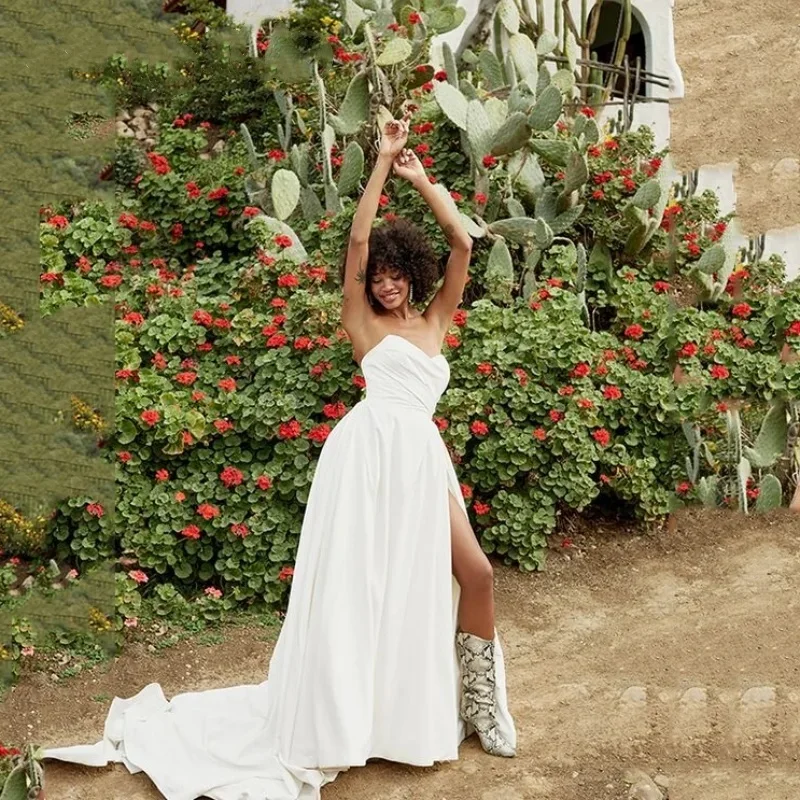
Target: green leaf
[
  {"x": 496, "y": 110},
  {"x": 600, "y": 262},
  {"x": 521, "y": 98},
  {"x": 512, "y": 135},
  {"x": 449, "y": 62},
  {"x": 712, "y": 260},
  {"x": 547, "y": 204},
  {"x": 367, "y": 5},
  {"x": 543, "y": 234},
  {"x": 564, "y": 221},
  {"x": 647, "y": 195},
  {"x": 516, "y": 229},
  {"x": 311, "y": 205},
  {"x": 500, "y": 271},
  {"x": 555, "y": 151},
  {"x": 543, "y": 81},
  {"x": 353, "y": 15},
  {"x": 526, "y": 173},
  {"x": 515, "y": 208},
  {"x": 354, "y": 111},
  {"x": 352, "y": 169},
  {"x": 771, "y": 440},
  {"x": 16, "y": 785},
  {"x": 284, "y": 56},
  {"x": 523, "y": 54},
  {"x": 577, "y": 172},
  {"x": 591, "y": 131},
  {"x": 547, "y": 109},
  {"x": 446, "y": 18},
  {"x": 509, "y": 15},
  {"x": 183, "y": 570},
  {"x": 479, "y": 129},
  {"x": 300, "y": 162},
  {"x": 452, "y": 103},
  {"x": 126, "y": 431},
  {"x": 491, "y": 70},
  {"x": 770, "y": 494},
  {"x": 472, "y": 227},
  {"x": 396, "y": 51},
  {"x": 546, "y": 43},
  {"x": 285, "y": 193},
  {"x": 251, "y": 148},
  {"x": 564, "y": 80}
]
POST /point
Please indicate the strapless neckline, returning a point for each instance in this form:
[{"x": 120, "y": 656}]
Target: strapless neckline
[{"x": 408, "y": 342}]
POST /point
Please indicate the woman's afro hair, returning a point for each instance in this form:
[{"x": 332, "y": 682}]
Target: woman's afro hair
[{"x": 403, "y": 246}]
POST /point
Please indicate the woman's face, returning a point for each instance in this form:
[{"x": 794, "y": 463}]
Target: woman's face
[{"x": 390, "y": 287}]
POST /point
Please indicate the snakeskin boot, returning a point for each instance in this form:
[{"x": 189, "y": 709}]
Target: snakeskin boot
[{"x": 476, "y": 657}]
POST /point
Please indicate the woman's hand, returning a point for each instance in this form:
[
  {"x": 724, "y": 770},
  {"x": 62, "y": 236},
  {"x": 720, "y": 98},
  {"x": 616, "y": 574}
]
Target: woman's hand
[
  {"x": 407, "y": 165},
  {"x": 395, "y": 136}
]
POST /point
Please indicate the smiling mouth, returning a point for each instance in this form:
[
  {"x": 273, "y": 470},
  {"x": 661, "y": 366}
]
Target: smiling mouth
[{"x": 391, "y": 296}]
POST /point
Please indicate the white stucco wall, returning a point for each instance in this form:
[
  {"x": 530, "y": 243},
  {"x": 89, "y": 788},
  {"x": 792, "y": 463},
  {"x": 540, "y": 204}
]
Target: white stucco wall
[{"x": 252, "y": 12}]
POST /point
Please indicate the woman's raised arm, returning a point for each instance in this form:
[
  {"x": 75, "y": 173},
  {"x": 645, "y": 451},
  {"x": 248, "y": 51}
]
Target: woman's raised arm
[
  {"x": 445, "y": 302},
  {"x": 393, "y": 139}
]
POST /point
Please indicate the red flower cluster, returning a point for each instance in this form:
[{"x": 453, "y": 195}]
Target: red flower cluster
[
  {"x": 719, "y": 372},
  {"x": 635, "y": 331},
  {"x": 58, "y": 221},
  {"x": 479, "y": 428},
  {"x": 150, "y": 417},
  {"x": 159, "y": 163},
  {"x": 319, "y": 433},
  {"x": 581, "y": 370},
  {"x": 191, "y": 532},
  {"x": 289, "y": 430},
  {"x": 742, "y": 310},
  {"x": 422, "y": 128},
  {"x": 334, "y": 410},
  {"x": 231, "y": 476},
  {"x": 286, "y": 573},
  {"x": 207, "y": 511}
]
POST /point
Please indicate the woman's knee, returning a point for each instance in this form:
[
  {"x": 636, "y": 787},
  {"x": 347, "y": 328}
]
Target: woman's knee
[{"x": 481, "y": 575}]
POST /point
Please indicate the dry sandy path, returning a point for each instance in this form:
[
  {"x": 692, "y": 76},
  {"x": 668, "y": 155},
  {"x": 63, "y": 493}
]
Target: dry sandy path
[{"x": 675, "y": 652}]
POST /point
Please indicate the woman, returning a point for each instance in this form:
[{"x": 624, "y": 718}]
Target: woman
[{"x": 388, "y": 648}]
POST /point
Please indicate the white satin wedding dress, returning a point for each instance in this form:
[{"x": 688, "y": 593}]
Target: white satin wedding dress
[{"x": 365, "y": 665}]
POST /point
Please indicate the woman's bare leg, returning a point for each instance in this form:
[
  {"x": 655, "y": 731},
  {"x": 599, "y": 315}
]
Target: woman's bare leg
[{"x": 474, "y": 574}]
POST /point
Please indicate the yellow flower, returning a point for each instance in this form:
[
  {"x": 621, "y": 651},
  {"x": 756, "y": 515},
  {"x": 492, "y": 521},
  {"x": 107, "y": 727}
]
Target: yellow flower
[
  {"x": 326, "y": 21},
  {"x": 336, "y": 27}
]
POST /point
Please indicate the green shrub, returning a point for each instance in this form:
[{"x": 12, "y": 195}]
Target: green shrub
[{"x": 602, "y": 317}]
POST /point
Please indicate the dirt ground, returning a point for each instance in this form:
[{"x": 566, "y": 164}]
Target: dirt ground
[
  {"x": 741, "y": 69},
  {"x": 673, "y": 652}
]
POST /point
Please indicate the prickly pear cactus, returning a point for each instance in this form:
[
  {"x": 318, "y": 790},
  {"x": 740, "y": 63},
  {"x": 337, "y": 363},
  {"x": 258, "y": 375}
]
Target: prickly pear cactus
[{"x": 770, "y": 494}]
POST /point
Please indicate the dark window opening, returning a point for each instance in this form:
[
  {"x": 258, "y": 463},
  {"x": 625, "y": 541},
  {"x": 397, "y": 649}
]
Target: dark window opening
[{"x": 609, "y": 28}]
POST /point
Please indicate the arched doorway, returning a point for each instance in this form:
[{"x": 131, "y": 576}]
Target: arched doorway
[{"x": 609, "y": 28}]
